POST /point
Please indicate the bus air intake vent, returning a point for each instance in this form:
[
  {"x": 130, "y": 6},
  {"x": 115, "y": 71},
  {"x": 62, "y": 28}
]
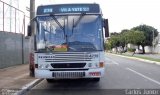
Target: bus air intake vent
[
  {"x": 68, "y": 65},
  {"x": 68, "y": 74}
]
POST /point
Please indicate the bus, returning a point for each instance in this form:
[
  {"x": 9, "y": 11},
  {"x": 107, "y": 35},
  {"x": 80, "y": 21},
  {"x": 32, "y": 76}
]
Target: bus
[{"x": 68, "y": 42}]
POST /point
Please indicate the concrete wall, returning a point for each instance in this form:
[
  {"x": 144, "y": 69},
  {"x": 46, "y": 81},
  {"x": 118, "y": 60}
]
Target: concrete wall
[
  {"x": 14, "y": 49},
  {"x": 148, "y": 49},
  {"x": 131, "y": 46},
  {"x": 157, "y": 47}
]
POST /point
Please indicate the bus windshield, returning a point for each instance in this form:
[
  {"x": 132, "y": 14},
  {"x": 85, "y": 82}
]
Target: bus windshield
[{"x": 77, "y": 32}]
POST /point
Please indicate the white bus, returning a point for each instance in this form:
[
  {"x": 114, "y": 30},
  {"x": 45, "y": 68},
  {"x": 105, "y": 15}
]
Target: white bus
[{"x": 68, "y": 42}]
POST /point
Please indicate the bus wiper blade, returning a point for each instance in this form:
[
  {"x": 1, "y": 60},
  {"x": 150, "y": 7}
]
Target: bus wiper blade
[
  {"x": 62, "y": 27},
  {"x": 81, "y": 16},
  {"x": 74, "y": 25}
]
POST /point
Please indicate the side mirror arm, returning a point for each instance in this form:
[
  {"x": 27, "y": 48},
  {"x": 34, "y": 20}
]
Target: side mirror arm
[
  {"x": 106, "y": 27},
  {"x": 29, "y": 30}
]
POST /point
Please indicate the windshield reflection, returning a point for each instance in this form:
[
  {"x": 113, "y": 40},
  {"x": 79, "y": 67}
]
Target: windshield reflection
[{"x": 76, "y": 33}]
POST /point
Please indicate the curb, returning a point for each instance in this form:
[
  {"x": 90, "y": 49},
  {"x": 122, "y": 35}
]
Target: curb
[
  {"x": 148, "y": 61},
  {"x": 28, "y": 87}
]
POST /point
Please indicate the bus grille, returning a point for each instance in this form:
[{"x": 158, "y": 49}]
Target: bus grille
[
  {"x": 68, "y": 65},
  {"x": 68, "y": 57},
  {"x": 68, "y": 74}
]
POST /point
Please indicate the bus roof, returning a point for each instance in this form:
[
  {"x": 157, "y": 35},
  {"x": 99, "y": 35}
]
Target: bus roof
[{"x": 68, "y": 9}]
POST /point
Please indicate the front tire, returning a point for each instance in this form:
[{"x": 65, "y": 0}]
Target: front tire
[
  {"x": 96, "y": 79},
  {"x": 31, "y": 72},
  {"x": 49, "y": 80}
]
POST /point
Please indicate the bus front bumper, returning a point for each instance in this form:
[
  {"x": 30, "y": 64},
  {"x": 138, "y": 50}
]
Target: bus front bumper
[{"x": 90, "y": 73}]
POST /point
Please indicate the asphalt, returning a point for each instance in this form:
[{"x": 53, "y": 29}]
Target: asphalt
[
  {"x": 16, "y": 79},
  {"x": 121, "y": 75}
]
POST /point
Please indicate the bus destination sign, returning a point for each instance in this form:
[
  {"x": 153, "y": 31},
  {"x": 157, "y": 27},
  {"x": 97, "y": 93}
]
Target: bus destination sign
[{"x": 67, "y": 8}]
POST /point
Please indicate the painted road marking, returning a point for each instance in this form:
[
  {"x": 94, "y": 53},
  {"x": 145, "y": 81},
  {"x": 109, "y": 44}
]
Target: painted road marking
[
  {"x": 115, "y": 63},
  {"x": 111, "y": 62},
  {"x": 157, "y": 82}
]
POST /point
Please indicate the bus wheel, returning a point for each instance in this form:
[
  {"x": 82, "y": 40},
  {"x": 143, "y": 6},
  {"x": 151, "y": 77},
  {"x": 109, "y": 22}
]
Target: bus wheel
[
  {"x": 96, "y": 79},
  {"x": 31, "y": 72},
  {"x": 49, "y": 80}
]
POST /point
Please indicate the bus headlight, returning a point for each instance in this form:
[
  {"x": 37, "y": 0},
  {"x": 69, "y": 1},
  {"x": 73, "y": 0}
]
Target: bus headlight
[
  {"x": 96, "y": 65},
  {"x": 93, "y": 65},
  {"x": 46, "y": 66},
  {"x": 43, "y": 66},
  {"x": 40, "y": 66},
  {"x": 89, "y": 64}
]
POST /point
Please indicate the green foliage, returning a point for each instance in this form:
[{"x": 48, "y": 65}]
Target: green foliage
[
  {"x": 114, "y": 41},
  {"x": 124, "y": 31},
  {"x": 135, "y": 37},
  {"x": 114, "y": 34},
  {"x": 108, "y": 46},
  {"x": 139, "y": 35},
  {"x": 148, "y": 31},
  {"x": 124, "y": 37}
]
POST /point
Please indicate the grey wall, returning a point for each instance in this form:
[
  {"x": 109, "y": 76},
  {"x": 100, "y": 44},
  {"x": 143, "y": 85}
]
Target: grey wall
[
  {"x": 14, "y": 49},
  {"x": 157, "y": 46}
]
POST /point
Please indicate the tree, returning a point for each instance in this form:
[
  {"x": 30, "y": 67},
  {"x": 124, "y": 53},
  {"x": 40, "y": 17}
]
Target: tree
[
  {"x": 136, "y": 37},
  {"x": 114, "y": 34},
  {"x": 124, "y": 31},
  {"x": 123, "y": 38},
  {"x": 108, "y": 45},
  {"x": 114, "y": 41},
  {"x": 149, "y": 33}
]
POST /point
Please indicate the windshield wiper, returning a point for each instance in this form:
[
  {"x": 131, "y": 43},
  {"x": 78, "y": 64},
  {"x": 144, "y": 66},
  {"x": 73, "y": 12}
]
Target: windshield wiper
[
  {"x": 81, "y": 16},
  {"x": 62, "y": 27},
  {"x": 55, "y": 19},
  {"x": 74, "y": 25}
]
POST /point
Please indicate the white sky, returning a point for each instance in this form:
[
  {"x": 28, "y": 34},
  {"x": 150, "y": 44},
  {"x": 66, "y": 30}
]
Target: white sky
[{"x": 122, "y": 14}]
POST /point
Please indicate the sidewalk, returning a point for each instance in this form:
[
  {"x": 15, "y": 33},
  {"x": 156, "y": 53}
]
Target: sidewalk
[
  {"x": 141, "y": 57},
  {"x": 16, "y": 79},
  {"x": 154, "y": 56}
]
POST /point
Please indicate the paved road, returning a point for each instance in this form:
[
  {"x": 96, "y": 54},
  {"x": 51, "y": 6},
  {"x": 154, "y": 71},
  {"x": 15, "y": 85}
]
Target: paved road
[{"x": 121, "y": 74}]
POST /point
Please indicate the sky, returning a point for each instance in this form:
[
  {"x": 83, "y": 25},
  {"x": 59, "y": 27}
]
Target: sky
[{"x": 122, "y": 14}]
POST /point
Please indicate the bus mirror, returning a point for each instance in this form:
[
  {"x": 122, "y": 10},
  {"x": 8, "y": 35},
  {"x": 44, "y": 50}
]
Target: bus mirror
[
  {"x": 29, "y": 31},
  {"x": 106, "y": 27}
]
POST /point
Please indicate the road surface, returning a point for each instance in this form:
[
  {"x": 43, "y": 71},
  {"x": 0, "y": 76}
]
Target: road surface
[{"x": 123, "y": 77}]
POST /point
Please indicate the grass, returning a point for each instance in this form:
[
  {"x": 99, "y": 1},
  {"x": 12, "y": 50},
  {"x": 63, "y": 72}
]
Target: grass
[
  {"x": 148, "y": 58},
  {"x": 142, "y": 57}
]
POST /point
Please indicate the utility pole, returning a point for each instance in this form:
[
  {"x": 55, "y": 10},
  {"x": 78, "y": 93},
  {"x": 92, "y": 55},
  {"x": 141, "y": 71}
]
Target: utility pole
[
  {"x": 153, "y": 42},
  {"x": 10, "y": 16},
  {"x": 32, "y": 15}
]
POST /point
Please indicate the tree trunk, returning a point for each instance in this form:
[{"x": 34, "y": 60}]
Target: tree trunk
[
  {"x": 123, "y": 49},
  {"x": 143, "y": 49}
]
